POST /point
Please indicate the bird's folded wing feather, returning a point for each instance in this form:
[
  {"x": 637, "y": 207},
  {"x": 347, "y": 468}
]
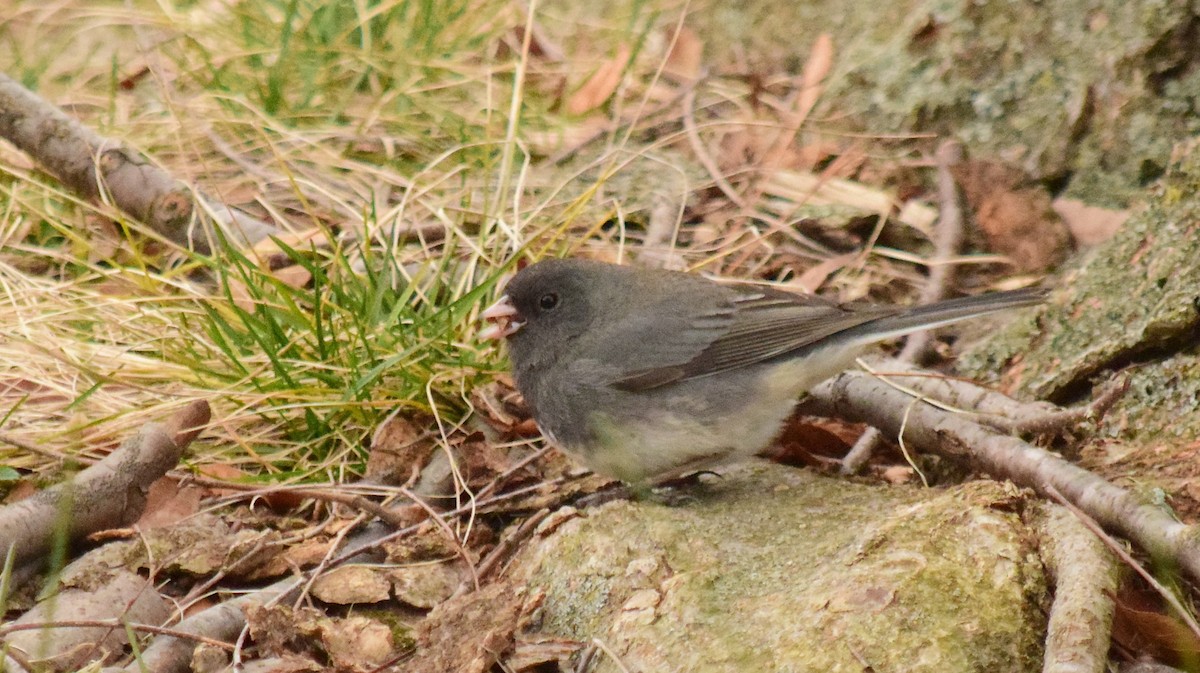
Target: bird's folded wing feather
[{"x": 751, "y": 327}]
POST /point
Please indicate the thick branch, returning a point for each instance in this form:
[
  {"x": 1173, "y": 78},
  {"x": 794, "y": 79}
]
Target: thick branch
[
  {"x": 110, "y": 493},
  {"x": 97, "y": 167},
  {"x": 862, "y": 398},
  {"x": 1086, "y": 577}
]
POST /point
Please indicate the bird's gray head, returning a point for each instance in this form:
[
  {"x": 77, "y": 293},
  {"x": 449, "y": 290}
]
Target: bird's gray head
[{"x": 551, "y": 303}]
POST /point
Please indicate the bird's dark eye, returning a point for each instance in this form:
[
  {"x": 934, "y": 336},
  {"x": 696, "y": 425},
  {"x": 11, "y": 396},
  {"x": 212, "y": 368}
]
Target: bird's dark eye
[{"x": 548, "y": 301}]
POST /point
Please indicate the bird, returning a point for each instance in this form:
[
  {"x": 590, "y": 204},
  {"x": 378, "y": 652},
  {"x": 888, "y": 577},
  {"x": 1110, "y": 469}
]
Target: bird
[{"x": 647, "y": 375}]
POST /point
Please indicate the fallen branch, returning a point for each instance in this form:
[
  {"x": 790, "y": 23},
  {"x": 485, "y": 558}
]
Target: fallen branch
[
  {"x": 101, "y": 169},
  {"x": 1116, "y": 548},
  {"x": 109, "y": 494},
  {"x": 866, "y": 399},
  {"x": 1085, "y": 577},
  {"x": 77, "y": 626},
  {"x": 994, "y": 409}
]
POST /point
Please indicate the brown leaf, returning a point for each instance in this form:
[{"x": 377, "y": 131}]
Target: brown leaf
[
  {"x": 685, "y": 59},
  {"x": 305, "y": 554},
  {"x": 424, "y": 585},
  {"x": 29, "y": 392},
  {"x": 399, "y": 446},
  {"x": 482, "y": 460},
  {"x": 1140, "y": 625},
  {"x": 24, "y": 488},
  {"x": 469, "y": 633},
  {"x": 812, "y": 279},
  {"x": 357, "y": 642},
  {"x": 168, "y": 502},
  {"x": 1089, "y": 225},
  {"x": 532, "y": 654},
  {"x": 820, "y": 59},
  {"x": 601, "y": 85},
  {"x": 294, "y": 276},
  {"x": 806, "y": 439},
  {"x": 1014, "y": 214},
  {"x": 500, "y": 404},
  {"x": 353, "y": 584},
  {"x": 271, "y": 255}
]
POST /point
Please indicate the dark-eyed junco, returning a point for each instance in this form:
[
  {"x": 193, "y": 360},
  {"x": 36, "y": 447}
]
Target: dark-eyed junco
[{"x": 644, "y": 375}]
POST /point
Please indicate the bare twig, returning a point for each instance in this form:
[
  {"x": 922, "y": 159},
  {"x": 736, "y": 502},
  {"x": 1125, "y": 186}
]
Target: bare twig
[
  {"x": 502, "y": 550},
  {"x": 109, "y": 494},
  {"x": 100, "y": 169},
  {"x": 435, "y": 516},
  {"x": 113, "y": 624},
  {"x": 1056, "y": 421},
  {"x": 702, "y": 154},
  {"x": 995, "y": 409}
]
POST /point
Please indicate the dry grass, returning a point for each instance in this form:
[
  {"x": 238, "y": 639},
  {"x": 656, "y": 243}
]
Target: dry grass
[{"x": 397, "y": 144}]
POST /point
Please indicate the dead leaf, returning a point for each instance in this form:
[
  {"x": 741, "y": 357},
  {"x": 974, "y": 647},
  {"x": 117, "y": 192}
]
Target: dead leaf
[
  {"x": 533, "y": 653},
  {"x": 24, "y": 488},
  {"x": 399, "y": 446},
  {"x": 898, "y": 474},
  {"x": 30, "y": 392},
  {"x": 271, "y": 255},
  {"x": 305, "y": 554},
  {"x": 425, "y": 585},
  {"x": 294, "y": 276},
  {"x": 501, "y": 405},
  {"x": 1140, "y": 625},
  {"x": 1014, "y": 215},
  {"x": 812, "y": 279},
  {"x": 279, "y": 501},
  {"x": 481, "y": 460},
  {"x": 353, "y": 584},
  {"x": 601, "y": 85},
  {"x": 357, "y": 642},
  {"x": 685, "y": 60},
  {"x": 429, "y": 543},
  {"x": 806, "y": 440},
  {"x": 469, "y": 633},
  {"x": 1089, "y": 225},
  {"x": 167, "y": 502},
  {"x": 816, "y": 68}
]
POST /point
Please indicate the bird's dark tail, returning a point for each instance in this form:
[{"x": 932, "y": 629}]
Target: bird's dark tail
[{"x": 940, "y": 313}]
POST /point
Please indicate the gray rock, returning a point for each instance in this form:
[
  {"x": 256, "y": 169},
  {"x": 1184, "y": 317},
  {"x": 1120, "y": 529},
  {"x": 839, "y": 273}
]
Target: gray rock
[{"x": 776, "y": 569}]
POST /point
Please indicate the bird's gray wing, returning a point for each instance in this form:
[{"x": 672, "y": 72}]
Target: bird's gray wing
[{"x": 750, "y": 327}]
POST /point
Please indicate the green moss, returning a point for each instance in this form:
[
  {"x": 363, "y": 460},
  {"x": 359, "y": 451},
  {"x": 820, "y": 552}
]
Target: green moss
[
  {"x": 1129, "y": 299},
  {"x": 770, "y": 565}
]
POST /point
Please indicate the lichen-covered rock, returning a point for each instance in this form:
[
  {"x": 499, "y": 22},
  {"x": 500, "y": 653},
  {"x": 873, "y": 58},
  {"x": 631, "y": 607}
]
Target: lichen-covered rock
[
  {"x": 1134, "y": 298},
  {"x": 776, "y": 569}
]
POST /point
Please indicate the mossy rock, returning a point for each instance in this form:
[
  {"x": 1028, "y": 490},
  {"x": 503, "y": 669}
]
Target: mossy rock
[
  {"x": 1133, "y": 300},
  {"x": 776, "y": 569}
]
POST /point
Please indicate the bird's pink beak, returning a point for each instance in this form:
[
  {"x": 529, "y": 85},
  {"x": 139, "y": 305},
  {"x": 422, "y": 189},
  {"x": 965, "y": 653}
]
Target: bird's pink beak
[{"x": 504, "y": 319}]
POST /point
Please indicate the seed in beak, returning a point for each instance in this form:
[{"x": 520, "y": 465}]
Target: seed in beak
[{"x": 501, "y": 315}]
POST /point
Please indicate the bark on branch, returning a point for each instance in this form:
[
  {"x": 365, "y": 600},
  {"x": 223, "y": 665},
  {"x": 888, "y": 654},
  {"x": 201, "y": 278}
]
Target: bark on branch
[
  {"x": 101, "y": 169},
  {"x": 866, "y": 399},
  {"x": 105, "y": 495}
]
